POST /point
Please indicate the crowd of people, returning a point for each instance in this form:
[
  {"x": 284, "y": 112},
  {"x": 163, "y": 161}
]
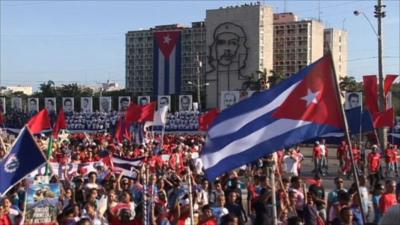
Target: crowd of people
[
  {"x": 170, "y": 184},
  {"x": 106, "y": 121},
  {"x": 91, "y": 120}
]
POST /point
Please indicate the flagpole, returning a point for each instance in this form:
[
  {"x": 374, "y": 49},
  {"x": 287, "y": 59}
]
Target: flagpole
[
  {"x": 190, "y": 195},
  {"x": 346, "y": 130},
  {"x": 162, "y": 136},
  {"x": 49, "y": 148}
]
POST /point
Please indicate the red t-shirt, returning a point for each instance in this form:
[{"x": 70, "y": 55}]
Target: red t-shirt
[
  {"x": 387, "y": 200},
  {"x": 374, "y": 161},
  {"x": 317, "y": 151},
  {"x": 211, "y": 221},
  {"x": 393, "y": 156},
  {"x": 342, "y": 149}
]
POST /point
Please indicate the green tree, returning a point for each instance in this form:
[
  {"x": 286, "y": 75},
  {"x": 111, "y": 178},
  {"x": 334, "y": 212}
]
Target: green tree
[
  {"x": 275, "y": 78},
  {"x": 47, "y": 89},
  {"x": 349, "y": 84}
]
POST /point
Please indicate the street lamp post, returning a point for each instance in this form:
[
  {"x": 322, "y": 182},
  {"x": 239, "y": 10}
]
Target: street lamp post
[
  {"x": 198, "y": 84},
  {"x": 379, "y": 14}
]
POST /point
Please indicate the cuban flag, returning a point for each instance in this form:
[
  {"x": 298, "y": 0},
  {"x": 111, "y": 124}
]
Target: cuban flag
[
  {"x": 300, "y": 108},
  {"x": 167, "y": 62}
]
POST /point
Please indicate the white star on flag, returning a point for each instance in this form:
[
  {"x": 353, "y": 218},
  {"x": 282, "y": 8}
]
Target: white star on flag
[
  {"x": 167, "y": 39},
  {"x": 311, "y": 97}
]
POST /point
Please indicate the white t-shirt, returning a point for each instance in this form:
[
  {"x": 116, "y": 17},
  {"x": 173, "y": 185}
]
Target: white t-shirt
[{"x": 290, "y": 164}]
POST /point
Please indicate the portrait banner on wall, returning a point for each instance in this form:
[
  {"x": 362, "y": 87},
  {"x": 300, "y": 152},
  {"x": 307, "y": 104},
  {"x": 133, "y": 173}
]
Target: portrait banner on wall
[
  {"x": 185, "y": 102},
  {"x": 42, "y": 204},
  {"x": 229, "y": 98},
  {"x": 3, "y": 105},
  {"x": 164, "y": 100},
  {"x": 143, "y": 100},
  {"x": 105, "y": 104},
  {"x": 86, "y": 104},
  {"x": 68, "y": 104},
  {"x": 50, "y": 104},
  {"x": 16, "y": 104},
  {"x": 33, "y": 106},
  {"x": 123, "y": 102},
  {"x": 353, "y": 100}
]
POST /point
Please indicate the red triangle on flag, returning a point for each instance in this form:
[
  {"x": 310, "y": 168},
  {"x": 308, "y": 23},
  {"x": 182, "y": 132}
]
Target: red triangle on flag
[
  {"x": 166, "y": 41},
  {"x": 315, "y": 98},
  {"x": 40, "y": 121}
]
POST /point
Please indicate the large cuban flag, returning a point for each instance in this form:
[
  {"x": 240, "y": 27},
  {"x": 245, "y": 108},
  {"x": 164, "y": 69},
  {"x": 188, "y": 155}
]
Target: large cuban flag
[
  {"x": 167, "y": 62},
  {"x": 303, "y": 107}
]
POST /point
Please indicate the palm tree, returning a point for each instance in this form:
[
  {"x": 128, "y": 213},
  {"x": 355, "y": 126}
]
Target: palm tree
[
  {"x": 349, "y": 84},
  {"x": 275, "y": 78}
]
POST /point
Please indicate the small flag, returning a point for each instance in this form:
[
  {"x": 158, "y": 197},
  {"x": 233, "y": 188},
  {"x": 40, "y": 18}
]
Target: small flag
[
  {"x": 60, "y": 124},
  {"x": 133, "y": 113},
  {"x": 147, "y": 112},
  {"x": 122, "y": 130},
  {"x": 39, "y": 122},
  {"x": 24, "y": 157},
  {"x": 127, "y": 167},
  {"x": 207, "y": 119},
  {"x": 159, "y": 119}
]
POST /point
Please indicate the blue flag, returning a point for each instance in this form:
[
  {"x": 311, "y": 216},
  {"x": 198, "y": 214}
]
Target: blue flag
[{"x": 24, "y": 157}]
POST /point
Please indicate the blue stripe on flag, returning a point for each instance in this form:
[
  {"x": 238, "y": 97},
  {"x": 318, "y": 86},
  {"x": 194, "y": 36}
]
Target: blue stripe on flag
[{"x": 257, "y": 151}]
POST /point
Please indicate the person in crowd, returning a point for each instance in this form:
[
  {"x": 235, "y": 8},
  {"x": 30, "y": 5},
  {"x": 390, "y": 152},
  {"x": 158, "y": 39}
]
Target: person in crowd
[
  {"x": 388, "y": 198},
  {"x": 317, "y": 157},
  {"x": 374, "y": 164},
  {"x": 376, "y": 195},
  {"x": 318, "y": 192}
]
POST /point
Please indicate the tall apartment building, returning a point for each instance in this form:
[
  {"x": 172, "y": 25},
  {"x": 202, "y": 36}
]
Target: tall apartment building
[
  {"x": 335, "y": 40},
  {"x": 297, "y": 43},
  {"x": 141, "y": 57}
]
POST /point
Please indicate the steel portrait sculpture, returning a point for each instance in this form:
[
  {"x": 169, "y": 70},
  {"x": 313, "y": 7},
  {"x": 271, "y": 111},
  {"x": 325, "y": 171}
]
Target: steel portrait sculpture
[{"x": 229, "y": 51}]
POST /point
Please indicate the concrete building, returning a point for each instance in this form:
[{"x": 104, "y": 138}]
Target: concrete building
[
  {"x": 223, "y": 51},
  {"x": 297, "y": 43},
  {"x": 28, "y": 90},
  {"x": 140, "y": 71},
  {"x": 336, "y": 40},
  {"x": 240, "y": 42}
]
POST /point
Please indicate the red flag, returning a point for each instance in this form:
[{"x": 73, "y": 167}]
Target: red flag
[
  {"x": 206, "y": 119},
  {"x": 389, "y": 79},
  {"x": 60, "y": 124},
  {"x": 371, "y": 93},
  {"x": 39, "y": 122},
  {"x": 122, "y": 131},
  {"x": 147, "y": 113},
  {"x": 133, "y": 113},
  {"x": 384, "y": 119}
]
